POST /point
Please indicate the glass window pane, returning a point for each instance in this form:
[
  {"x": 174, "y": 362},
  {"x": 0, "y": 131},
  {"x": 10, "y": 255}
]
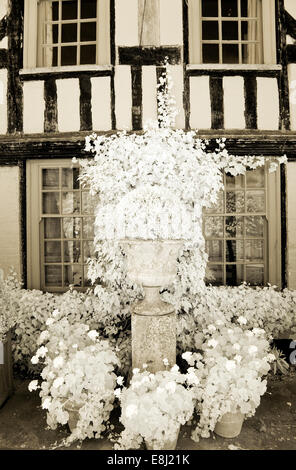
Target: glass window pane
[
  {"x": 54, "y": 57},
  {"x": 87, "y": 281},
  {"x": 215, "y": 250},
  {"x": 51, "y": 33},
  {"x": 214, "y": 227},
  {"x": 69, "y": 32},
  {"x": 89, "y": 251},
  {"x": 218, "y": 207},
  {"x": 254, "y": 226},
  {"x": 68, "y": 55},
  {"x": 255, "y": 201},
  {"x": 50, "y": 178},
  {"x": 50, "y": 203},
  {"x": 71, "y": 227},
  {"x": 70, "y": 178},
  {"x": 235, "y": 201},
  {"x": 73, "y": 275},
  {"x": 69, "y": 10},
  {"x": 88, "y": 32},
  {"x": 52, "y": 228},
  {"x": 255, "y": 275},
  {"x": 72, "y": 252},
  {"x": 234, "y": 274},
  {"x": 230, "y": 54},
  {"x": 234, "y": 226},
  {"x": 256, "y": 178},
  {"x": 52, "y": 252},
  {"x": 88, "y": 9},
  {"x": 88, "y": 227},
  {"x": 229, "y": 8},
  {"x": 250, "y": 8},
  {"x": 210, "y": 30},
  {"x": 254, "y": 250},
  {"x": 71, "y": 202},
  {"x": 229, "y": 30},
  {"x": 234, "y": 251},
  {"x": 88, "y": 203},
  {"x": 209, "y": 7},
  {"x": 233, "y": 182},
  {"x": 53, "y": 276},
  {"x": 88, "y": 54},
  {"x": 250, "y": 54},
  {"x": 215, "y": 274},
  {"x": 210, "y": 53},
  {"x": 55, "y": 11},
  {"x": 249, "y": 30}
]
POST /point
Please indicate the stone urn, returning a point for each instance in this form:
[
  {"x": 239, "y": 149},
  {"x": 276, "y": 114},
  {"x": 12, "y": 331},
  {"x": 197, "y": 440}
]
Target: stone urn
[{"x": 152, "y": 264}]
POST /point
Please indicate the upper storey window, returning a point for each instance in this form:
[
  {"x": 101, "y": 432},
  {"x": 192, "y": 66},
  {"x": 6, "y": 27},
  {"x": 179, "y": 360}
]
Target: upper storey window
[
  {"x": 232, "y": 31},
  {"x": 66, "y": 33}
]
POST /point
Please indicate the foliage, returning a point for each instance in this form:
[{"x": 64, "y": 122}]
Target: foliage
[
  {"x": 78, "y": 373},
  {"x": 280, "y": 364},
  {"x": 155, "y": 184},
  {"x": 8, "y": 304},
  {"x": 231, "y": 373},
  {"x": 154, "y": 406}
]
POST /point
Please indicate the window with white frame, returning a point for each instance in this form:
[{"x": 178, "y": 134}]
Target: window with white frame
[
  {"x": 66, "y": 33},
  {"x": 232, "y": 31},
  {"x": 60, "y": 226},
  {"x": 242, "y": 231}
]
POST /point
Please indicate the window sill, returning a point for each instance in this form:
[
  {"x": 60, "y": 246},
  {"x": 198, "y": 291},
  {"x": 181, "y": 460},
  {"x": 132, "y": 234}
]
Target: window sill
[
  {"x": 65, "y": 69},
  {"x": 239, "y": 67}
]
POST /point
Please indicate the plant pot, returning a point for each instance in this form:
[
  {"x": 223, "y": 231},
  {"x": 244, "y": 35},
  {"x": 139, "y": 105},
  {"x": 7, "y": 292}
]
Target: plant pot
[
  {"x": 229, "y": 425},
  {"x": 152, "y": 264},
  {"x": 167, "y": 445},
  {"x": 73, "y": 411},
  {"x": 6, "y": 375}
]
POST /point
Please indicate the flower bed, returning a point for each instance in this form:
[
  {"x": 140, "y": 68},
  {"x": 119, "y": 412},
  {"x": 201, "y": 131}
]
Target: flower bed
[{"x": 267, "y": 308}]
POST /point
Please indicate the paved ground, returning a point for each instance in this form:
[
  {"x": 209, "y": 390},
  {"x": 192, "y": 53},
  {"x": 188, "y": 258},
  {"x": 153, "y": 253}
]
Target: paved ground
[{"x": 23, "y": 424}]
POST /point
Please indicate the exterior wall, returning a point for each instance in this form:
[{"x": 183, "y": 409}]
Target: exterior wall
[
  {"x": 291, "y": 224},
  {"x": 120, "y": 95},
  {"x": 10, "y": 253},
  {"x": 123, "y": 94}
]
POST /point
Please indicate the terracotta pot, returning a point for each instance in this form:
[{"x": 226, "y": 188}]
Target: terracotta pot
[
  {"x": 152, "y": 264},
  {"x": 167, "y": 445},
  {"x": 229, "y": 425},
  {"x": 6, "y": 375}
]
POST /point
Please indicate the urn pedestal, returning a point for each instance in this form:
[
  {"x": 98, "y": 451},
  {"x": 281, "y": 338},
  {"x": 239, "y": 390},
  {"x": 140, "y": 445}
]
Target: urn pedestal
[
  {"x": 6, "y": 375},
  {"x": 153, "y": 264}
]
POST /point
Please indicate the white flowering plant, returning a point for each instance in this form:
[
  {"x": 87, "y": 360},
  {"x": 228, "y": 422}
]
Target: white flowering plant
[
  {"x": 8, "y": 304},
  {"x": 267, "y": 308},
  {"x": 231, "y": 372},
  {"x": 78, "y": 374},
  {"x": 154, "y": 406},
  {"x": 154, "y": 185}
]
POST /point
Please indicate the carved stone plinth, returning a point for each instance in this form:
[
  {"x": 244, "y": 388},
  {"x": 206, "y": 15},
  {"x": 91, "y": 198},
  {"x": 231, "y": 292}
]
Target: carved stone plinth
[
  {"x": 153, "y": 264},
  {"x": 153, "y": 339}
]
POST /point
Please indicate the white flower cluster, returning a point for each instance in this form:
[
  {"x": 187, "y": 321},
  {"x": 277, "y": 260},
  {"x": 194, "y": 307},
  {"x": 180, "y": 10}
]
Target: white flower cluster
[
  {"x": 151, "y": 185},
  {"x": 78, "y": 373},
  {"x": 230, "y": 381},
  {"x": 8, "y": 304},
  {"x": 154, "y": 406}
]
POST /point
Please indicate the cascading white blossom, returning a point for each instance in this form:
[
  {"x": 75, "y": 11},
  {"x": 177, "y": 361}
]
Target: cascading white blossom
[{"x": 154, "y": 185}]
